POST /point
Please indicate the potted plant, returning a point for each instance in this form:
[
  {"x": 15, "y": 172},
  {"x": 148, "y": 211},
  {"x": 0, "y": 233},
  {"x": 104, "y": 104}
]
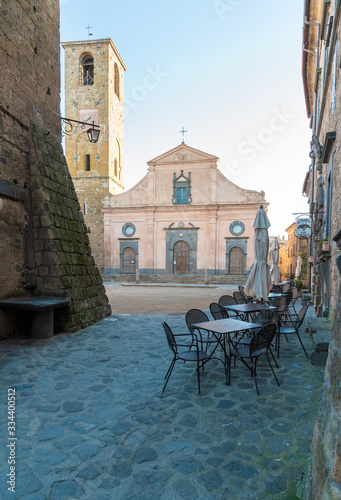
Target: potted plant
[
  {"x": 299, "y": 284},
  {"x": 325, "y": 244}
]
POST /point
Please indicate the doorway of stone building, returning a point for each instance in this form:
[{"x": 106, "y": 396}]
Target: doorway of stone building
[
  {"x": 129, "y": 261},
  {"x": 236, "y": 261},
  {"x": 181, "y": 253}
]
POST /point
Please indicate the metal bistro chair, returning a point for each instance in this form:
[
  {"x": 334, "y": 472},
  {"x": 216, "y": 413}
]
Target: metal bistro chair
[
  {"x": 191, "y": 353},
  {"x": 228, "y": 300},
  {"x": 241, "y": 289},
  {"x": 239, "y": 298},
  {"x": 198, "y": 316},
  {"x": 291, "y": 326},
  {"x": 294, "y": 297},
  {"x": 259, "y": 345},
  {"x": 281, "y": 313},
  {"x": 218, "y": 311},
  {"x": 262, "y": 318}
]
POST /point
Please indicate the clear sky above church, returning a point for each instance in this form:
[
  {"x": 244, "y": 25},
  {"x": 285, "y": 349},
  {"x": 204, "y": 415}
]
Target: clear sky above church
[{"x": 229, "y": 71}]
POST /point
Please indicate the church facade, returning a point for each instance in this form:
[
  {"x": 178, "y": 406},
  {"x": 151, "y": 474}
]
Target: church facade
[{"x": 183, "y": 218}]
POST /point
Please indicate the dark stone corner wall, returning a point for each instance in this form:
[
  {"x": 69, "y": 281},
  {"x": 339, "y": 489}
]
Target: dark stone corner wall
[
  {"x": 44, "y": 246},
  {"x": 64, "y": 265},
  {"x": 325, "y": 480}
]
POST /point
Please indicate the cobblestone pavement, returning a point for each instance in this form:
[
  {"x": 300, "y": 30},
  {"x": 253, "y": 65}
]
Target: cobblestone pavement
[{"x": 92, "y": 422}]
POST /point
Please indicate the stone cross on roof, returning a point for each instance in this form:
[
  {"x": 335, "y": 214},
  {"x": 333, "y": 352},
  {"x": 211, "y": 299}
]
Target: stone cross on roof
[
  {"x": 88, "y": 28},
  {"x": 183, "y": 132}
]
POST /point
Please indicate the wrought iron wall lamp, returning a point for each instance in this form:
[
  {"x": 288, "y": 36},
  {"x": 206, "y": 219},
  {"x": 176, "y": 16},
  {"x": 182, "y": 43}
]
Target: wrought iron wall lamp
[{"x": 68, "y": 128}]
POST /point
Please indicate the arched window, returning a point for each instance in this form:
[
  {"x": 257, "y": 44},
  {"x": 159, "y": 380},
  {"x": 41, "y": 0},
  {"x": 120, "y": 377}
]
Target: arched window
[
  {"x": 87, "y": 70},
  {"x": 115, "y": 167},
  {"x": 236, "y": 261},
  {"x": 87, "y": 163},
  {"x": 117, "y": 80}
]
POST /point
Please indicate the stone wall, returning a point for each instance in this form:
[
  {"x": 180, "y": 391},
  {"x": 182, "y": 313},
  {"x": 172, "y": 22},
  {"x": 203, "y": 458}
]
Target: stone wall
[
  {"x": 44, "y": 249},
  {"x": 325, "y": 481},
  {"x": 62, "y": 254},
  {"x": 91, "y": 192}
]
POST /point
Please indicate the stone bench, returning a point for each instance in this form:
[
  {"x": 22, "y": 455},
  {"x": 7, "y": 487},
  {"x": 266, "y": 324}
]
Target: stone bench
[{"x": 41, "y": 310}]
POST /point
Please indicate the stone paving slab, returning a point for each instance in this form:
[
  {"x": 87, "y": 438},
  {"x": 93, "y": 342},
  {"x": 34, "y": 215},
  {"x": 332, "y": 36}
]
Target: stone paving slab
[{"x": 92, "y": 422}]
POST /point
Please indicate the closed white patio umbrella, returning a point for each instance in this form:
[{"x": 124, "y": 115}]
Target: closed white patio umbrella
[
  {"x": 259, "y": 283},
  {"x": 274, "y": 258}
]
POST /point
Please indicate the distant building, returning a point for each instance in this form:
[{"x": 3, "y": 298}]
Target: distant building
[
  {"x": 295, "y": 247},
  {"x": 283, "y": 260},
  {"x": 183, "y": 218}
]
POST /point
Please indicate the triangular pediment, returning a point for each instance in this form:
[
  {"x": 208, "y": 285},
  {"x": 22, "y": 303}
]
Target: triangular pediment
[{"x": 183, "y": 154}]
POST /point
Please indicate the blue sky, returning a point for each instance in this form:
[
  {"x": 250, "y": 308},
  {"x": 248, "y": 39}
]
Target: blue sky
[{"x": 229, "y": 71}]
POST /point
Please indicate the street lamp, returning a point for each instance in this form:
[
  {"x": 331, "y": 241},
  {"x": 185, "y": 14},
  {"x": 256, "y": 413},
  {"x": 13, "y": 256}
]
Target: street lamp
[{"x": 68, "y": 128}]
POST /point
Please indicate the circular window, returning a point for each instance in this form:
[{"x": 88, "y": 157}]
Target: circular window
[
  {"x": 181, "y": 224},
  {"x": 128, "y": 229},
  {"x": 237, "y": 228}
]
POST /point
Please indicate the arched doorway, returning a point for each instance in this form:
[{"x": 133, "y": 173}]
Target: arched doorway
[
  {"x": 181, "y": 253},
  {"x": 129, "y": 261},
  {"x": 236, "y": 261}
]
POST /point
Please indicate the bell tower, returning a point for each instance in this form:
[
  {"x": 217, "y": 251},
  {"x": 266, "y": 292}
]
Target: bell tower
[{"x": 94, "y": 92}]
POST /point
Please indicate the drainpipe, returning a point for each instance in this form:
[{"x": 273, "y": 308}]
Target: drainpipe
[{"x": 312, "y": 196}]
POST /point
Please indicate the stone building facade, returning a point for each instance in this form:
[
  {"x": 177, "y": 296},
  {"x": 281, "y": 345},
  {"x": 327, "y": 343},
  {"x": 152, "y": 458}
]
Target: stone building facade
[
  {"x": 184, "y": 218},
  {"x": 44, "y": 247},
  {"x": 295, "y": 247},
  {"x": 322, "y": 186},
  {"x": 94, "y": 92}
]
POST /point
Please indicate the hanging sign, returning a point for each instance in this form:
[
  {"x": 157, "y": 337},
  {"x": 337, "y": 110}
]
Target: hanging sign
[{"x": 303, "y": 228}]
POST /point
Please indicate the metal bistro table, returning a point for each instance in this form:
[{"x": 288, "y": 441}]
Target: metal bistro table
[
  {"x": 274, "y": 295},
  {"x": 222, "y": 328},
  {"x": 249, "y": 309}
]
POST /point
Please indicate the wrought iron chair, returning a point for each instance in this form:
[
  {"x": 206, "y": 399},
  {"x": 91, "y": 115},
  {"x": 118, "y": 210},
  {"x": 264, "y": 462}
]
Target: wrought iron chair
[
  {"x": 288, "y": 326},
  {"x": 294, "y": 297},
  {"x": 260, "y": 345},
  {"x": 191, "y": 353},
  {"x": 239, "y": 298},
  {"x": 198, "y": 316},
  {"x": 248, "y": 298},
  {"x": 266, "y": 318},
  {"x": 218, "y": 311},
  {"x": 228, "y": 300}
]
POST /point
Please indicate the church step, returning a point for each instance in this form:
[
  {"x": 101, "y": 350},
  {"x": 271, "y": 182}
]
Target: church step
[{"x": 174, "y": 278}]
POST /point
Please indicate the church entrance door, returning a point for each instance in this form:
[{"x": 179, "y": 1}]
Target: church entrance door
[
  {"x": 129, "y": 261},
  {"x": 236, "y": 261},
  {"x": 181, "y": 258}
]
